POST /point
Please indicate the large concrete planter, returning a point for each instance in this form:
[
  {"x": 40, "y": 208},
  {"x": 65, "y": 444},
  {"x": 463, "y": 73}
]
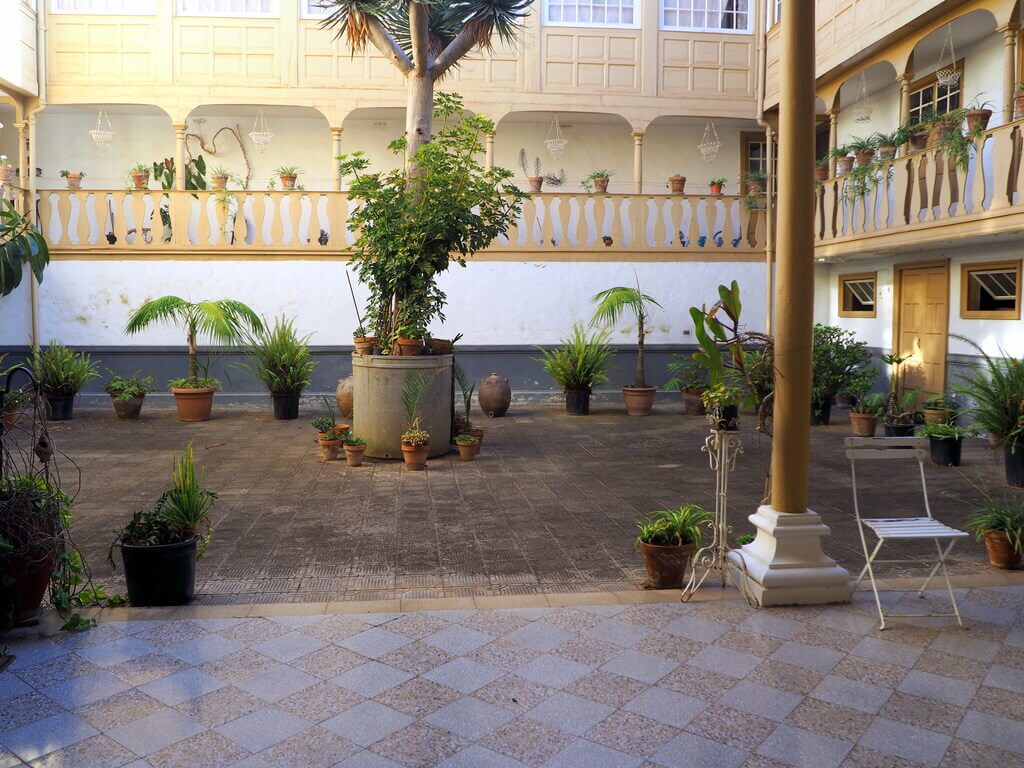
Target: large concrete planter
[{"x": 379, "y": 416}]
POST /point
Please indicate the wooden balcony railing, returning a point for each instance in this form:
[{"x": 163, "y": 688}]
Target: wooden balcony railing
[
  {"x": 925, "y": 197},
  {"x": 244, "y": 224}
]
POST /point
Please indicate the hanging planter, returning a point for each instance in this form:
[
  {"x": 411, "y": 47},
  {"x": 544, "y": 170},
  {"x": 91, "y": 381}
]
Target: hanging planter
[
  {"x": 103, "y": 134},
  {"x": 948, "y": 75},
  {"x": 863, "y": 108},
  {"x": 556, "y": 142},
  {"x": 260, "y": 135},
  {"x": 710, "y": 143}
]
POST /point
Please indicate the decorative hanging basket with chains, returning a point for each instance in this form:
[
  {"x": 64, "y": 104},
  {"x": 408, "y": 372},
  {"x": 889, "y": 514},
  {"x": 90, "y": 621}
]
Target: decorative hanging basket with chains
[
  {"x": 103, "y": 134},
  {"x": 556, "y": 142},
  {"x": 710, "y": 144},
  {"x": 863, "y": 108},
  {"x": 261, "y": 134},
  {"x": 948, "y": 75}
]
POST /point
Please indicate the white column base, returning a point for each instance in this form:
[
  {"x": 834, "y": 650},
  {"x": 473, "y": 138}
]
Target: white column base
[{"x": 785, "y": 565}]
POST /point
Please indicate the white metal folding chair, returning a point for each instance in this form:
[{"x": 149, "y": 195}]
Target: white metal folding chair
[{"x": 891, "y": 449}]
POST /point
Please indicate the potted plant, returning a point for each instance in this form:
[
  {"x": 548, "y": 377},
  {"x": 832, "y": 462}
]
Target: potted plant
[
  {"x": 715, "y": 185},
  {"x": 756, "y": 182},
  {"x": 889, "y": 143},
  {"x": 865, "y": 414},
  {"x": 462, "y": 424},
  {"x": 536, "y": 176},
  {"x": 821, "y": 169},
  {"x": 61, "y": 373},
  {"x": 977, "y": 114},
  {"x": 597, "y": 181},
  {"x": 691, "y": 379},
  {"x": 288, "y": 174},
  {"x": 223, "y": 321},
  {"x": 139, "y": 175},
  {"x": 219, "y": 178},
  {"x": 919, "y": 133},
  {"x": 938, "y": 409},
  {"x": 863, "y": 149},
  {"x": 667, "y": 540},
  {"x": 410, "y": 340},
  {"x": 330, "y": 443},
  {"x": 324, "y": 425},
  {"x": 363, "y": 341},
  {"x": 354, "y": 448},
  {"x": 995, "y": 389},
  {"x": 161, "y": 544},
  {"x": 280, "y": 360},
  {"x": 946, "y": 442},
  {"x": 1000, "y": 525},
  {"x": 415, "y": 439},
  {"x": 611, "y": 305},
  {"x": 722, "y": 404},
  {"x": 127, "y": 394},
  {"x": 676, "y": 183},
  {"x": 578, "y": 366},
  {"x": 6, "y": 170},
  {"x": 74, "y": 179},
  {"x": 468, "y": 446},
  {"x": 838, "y": 363},
  {"x": 843, "y": 159},
  {"x": 1018, "y": 100},
  {"x": 901, "y": 414},
  {"x": 15, "y": 401}
]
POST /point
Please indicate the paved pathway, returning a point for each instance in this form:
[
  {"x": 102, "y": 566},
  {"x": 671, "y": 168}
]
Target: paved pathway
[
  {"x": 548, "y": 508},
  {"x": 590, "y": 686}
]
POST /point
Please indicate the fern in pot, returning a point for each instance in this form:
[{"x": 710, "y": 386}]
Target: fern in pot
[
  {"x": 280, "y": 359},
  {"x": 61, "y": 373},
  {"x": 579, "y": 365},
  {"x": 127, "y": 394}
]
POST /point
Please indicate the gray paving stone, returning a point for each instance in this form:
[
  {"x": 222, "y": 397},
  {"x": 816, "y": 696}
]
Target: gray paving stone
[
  {"x": 906, "y": 741},
  {"x": 262, "y": 728},
  {"x": 470, "y": 718},
  {"x": 804, "y": 749},
  {"x": 42, "y": 737},
  {"x": 587, "y": 754},
  {"x": 765, "y": 623},
  {"x": 458, "y": 640},
  {"x": 375, "y": 642},
  {"x": 619, "y": 633},
  {"x": 688, "y": 750},
  {"x": 665, "y": 706},
  {"x": 181, "y": 686},
  {"x": 570, "y": 713},
  {"x": 371, "y": 679},
  {"x": 464, "y": 675},
  {"x": 154, "y": 732},
  {"x": 939, "y": 687},
  {"x": 887, "y": 651},
  {"x": 1007, "y": 678},
  {"x": 85, "y": 689},
  {"x": 693, "y": 628},
  {"x": 852, "y": 693},
  {"x": 553, "y": 671},
  {"x": 993, "y": 730},
  {"x": 808, "y": 656},
  {"x": 539, "y": 636},
  {"x": 277, "y": 683},
  {"x": 725, "y": 661},
  {"x": 367, "y": 723},
  {"x": 761, "y": 700},
  {"x": 477, "y": 757}
]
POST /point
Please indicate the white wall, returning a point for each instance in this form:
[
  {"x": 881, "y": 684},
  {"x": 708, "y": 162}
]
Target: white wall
[{"x": 87, "y": 303}]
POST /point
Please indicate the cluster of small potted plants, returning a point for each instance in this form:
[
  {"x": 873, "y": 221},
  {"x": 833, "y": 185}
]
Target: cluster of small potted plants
[{"x": 334, "y": 436}]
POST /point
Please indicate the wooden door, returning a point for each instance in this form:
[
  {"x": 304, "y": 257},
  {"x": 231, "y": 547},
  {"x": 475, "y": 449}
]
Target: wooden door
[{"x": 922, "y": 324}]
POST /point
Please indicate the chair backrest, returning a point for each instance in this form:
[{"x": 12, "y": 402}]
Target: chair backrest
[{"x": 887, "y": 449}]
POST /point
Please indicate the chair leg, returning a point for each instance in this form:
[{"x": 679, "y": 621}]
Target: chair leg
[
  {"x": 945, "y": 574},
  {"x": 871, "y": 576},
  {"x": 864, "y": 570}
]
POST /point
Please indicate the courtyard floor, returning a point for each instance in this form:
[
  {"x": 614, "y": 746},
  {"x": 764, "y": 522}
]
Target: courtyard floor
[{"x": 548, "y": 507}]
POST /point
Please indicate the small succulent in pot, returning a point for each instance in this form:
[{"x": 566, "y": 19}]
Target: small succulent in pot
[
  {"x": 677, "y": 183},
  {"x": 127, "y": 393},
  {"x": 667, "y": 539},
  {"x": 354, "y": 448},
  {"x": 73, "y": 178},
  {"x": 597, "y": 180},
  {"x": 331, "y": 441},
  {"x": 288, "y": 174}
]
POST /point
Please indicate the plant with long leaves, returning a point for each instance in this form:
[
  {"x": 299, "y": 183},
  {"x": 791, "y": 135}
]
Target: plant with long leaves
[
  {"x": 580, "y": 364},
  {"x": 673, "y": 527},
  {"x": 466, "y": 386},
  {"x": 278, "y": 357},
  {"x": 61, "y": 371},
  {"x": 612, "y": 304},
  {"x": 999, "y": 517},
  {"x": 414, "y": 387},
  {"x": 223, "y": 321},
  {"x": 424, "y": 41},
  {"x": 20, "y": 244},
  {"x": 995, "y": 388}
]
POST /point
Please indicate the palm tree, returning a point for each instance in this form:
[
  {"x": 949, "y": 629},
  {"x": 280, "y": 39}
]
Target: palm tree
[
  {"x": 222, "y": 321},
  {"x": 424, "y": 39},
  {"x": 611, "y": 304}
]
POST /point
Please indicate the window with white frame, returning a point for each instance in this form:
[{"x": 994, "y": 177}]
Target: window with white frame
[
  {"x": 857, "y": 294},
  {"x": 708, "y": 15},
  {"x": 228, "y": 8},
  {"x": 597, "y": 13},
  {"x": 103, "y": 6},
  {"x": 315, "y": 9}
]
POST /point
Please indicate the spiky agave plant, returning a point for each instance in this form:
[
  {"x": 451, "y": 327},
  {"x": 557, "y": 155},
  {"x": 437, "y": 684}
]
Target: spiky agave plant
[{"x": 278, "y": 357}]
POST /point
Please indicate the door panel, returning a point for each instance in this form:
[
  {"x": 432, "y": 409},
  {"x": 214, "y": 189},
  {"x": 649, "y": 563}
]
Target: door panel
[{"x": 922, "y": 327}]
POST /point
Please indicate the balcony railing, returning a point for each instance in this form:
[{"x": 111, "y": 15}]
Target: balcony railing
[
  {"x": 924, "y": 196},
  {"x": 244, "y": 224}
]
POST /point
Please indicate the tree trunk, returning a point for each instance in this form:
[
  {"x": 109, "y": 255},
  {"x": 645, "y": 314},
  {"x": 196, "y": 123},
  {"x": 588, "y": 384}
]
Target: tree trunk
[
  {"x": 641, "y": 378},
  {"x": 419, "y": 112},
  {"x": 193, "y": 363}
]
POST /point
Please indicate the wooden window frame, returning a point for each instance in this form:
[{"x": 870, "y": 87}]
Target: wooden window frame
[
  {"x": 857, "y": 276},
  {"x": 996, "y": 314},
  {"x": 746, "y": 137},
  {"x": 933, "y": 80}
]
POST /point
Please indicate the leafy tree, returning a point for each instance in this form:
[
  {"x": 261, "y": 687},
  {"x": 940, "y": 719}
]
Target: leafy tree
[{"x": 20, "y": 244}]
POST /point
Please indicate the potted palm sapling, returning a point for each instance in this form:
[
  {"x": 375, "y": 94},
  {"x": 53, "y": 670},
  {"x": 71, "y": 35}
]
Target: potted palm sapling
[
  {"x": 611, "y": 305},
  {"x": 415, "y": 439}
]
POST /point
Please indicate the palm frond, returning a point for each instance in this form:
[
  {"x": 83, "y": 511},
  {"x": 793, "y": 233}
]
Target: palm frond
[
  {"x": 996, "y": 390},
  {"x": 414, "y": 388},
  {"x": 164, "y": 309},
  {"x": 611, "y": 304},
  {"x": 466, "y": 385}
]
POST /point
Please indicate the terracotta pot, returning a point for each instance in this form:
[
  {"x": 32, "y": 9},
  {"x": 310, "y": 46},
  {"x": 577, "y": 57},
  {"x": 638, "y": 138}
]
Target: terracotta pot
[
  {"x": 676, "y": 184},
  {"x": 35, "y": 538},
  {"x": 821, "y": 173},
  {"x": 715, "y": 189},
  {"x": 127, "y": 409},
  {"x": 692, "y": 404},
  {"x": 440, "y": 346},
  {"x": 757, "y": 186},
  {"x": 844, "y": 165},
  {"x": 409, "y": 347},
  {"x": 10, "y": 419},
  {"x": 478, "y": 434},
  {"x": 864, "y": 157},
  {"x": 1018, "y": 105},
  {"x": 600, "y": 183},
  {"x": 936, "y": 416},
  {"x": 863, "y": 424},
  {"x": 6, "y": 173},
  {"x": 666, "y": 566},
  {"x": 919, "y": 141},
  {"x": 288, "y": 181},
  {"x": 74, "y": 180},
  {"x": 415, "y": 456},
  {"x": 887, "y": 152},
  {"x": 343, "y": 397},
  {"x": 140, "y": 179},
  {"x": 194, "y": 404},
  {"x": 219, "y": 181},
  {"x": 639, "y": 400},
  {"x": 939, "y": 131},
  {"x": 354, "y": 455},
  {"x": 978, "y": 118},
  {"x": 329, "y": 449},
  {"x": 1000, "y": 552},
  {"x": 467, "y": 451},
  {"x": 495, "y": 396},
  {"x": 364, "y": 344},
  {"x": 536, "y": 184}
]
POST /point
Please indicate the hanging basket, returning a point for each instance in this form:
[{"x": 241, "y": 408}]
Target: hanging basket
[
  {"x": 103, "y": 134},
  {"x": 948, "y": 75},
  {"x": 261, "y": 134},
  {"x": 710, "y": 144},
  {"x": 556, "y": 142},
  {"x": 863, "y": 108}
]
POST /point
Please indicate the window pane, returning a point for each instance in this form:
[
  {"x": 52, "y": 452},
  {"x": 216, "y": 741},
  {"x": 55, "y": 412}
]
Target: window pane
[
  {"x": 600, "y": 12},
  {"x": 104, "y": 6},
  {"x": 706, "y": 15}
]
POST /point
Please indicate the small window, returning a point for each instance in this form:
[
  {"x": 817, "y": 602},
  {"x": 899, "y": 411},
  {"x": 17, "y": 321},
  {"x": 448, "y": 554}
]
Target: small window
[
  {"x": 857, "y": 294},
  {"x": 591, "y": 13},
  {"x": 708, "y": 15},
  {"x": 927, "y": 96},
  {"x": 316, "y": 9},
  {"x": 133, "y": 7},
  {"x": 256, "y": 8},
  {"x": 990, "y": 291}
]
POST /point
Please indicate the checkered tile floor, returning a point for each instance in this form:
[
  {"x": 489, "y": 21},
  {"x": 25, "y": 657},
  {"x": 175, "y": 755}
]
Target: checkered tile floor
[{"x": 707, "y": 684}]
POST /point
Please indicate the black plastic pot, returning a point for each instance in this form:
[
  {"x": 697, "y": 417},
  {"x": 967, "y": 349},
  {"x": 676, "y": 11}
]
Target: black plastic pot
[
  {"x": 59, "y": 407},
  {"x": 160, "y": 575},
  {"x": 946, "y": 452},
  {"x": 577, "y": 402},
  {"x": 1014, "y": 462},
  {"x": 286, "y": 406},
  {"x": 821, "y": 412},
  {"x": 899, "y": 430},
  {"x": 726, "y": 418}
]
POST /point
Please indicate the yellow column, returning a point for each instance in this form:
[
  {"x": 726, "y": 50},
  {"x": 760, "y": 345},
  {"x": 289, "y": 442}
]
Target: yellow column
[
  {"x": 833, "y": 140},
  {"x": 179, "y": 157},
  {"x": 489, "y": 151},
  {"x": 769, "y": 219},
  {"x": 638, "y": 162},
  {"x": 335, "y": 152},
  {"x": 1009, "y": 69},
  {"x": 905, "y": 80},
  {"x": 24, "y": 172}
]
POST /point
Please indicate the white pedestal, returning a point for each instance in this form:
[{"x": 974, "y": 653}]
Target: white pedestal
[{"x": 785, "y": 564}]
